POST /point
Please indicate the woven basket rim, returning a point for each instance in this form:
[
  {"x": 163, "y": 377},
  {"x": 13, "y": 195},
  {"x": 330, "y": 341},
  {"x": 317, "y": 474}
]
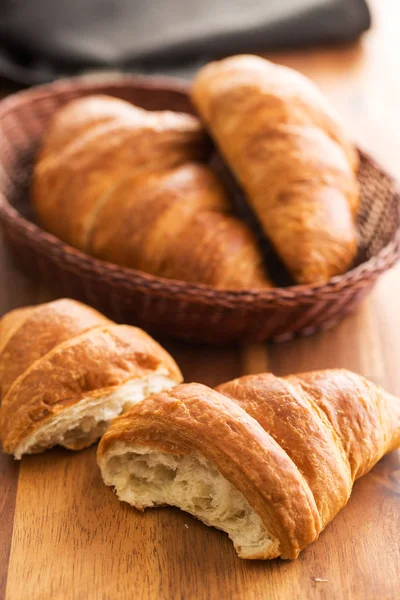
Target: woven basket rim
[
  {"x": 93, "y": 82},
  {"x": 44, "y": 241}
]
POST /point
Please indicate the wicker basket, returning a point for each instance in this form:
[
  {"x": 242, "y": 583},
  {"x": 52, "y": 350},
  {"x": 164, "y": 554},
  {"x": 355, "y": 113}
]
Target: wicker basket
[{"x": 193, "y": 312}]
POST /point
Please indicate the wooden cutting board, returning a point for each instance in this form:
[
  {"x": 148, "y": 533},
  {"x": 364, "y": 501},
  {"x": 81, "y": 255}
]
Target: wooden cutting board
[{"x": 64, "y": 535}]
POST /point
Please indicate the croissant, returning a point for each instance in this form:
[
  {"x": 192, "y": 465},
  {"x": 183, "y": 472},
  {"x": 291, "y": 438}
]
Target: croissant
[
  {"x": 66, "y": 371},
  {"x": 291, "y": 158},
  {"x": 131, "y": 186},
  {"x": 268, "y": 460}
]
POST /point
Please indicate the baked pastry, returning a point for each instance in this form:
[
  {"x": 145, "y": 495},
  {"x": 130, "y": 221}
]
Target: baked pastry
[
  {"x": 66, "y": 371},
  {"x": 292, "y": 159},
  {"x": 268, "y": 460},
  {"x": 132, "y": 187}
]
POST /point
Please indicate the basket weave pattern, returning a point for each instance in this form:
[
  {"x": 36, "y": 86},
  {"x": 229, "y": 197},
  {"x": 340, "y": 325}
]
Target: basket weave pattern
[{"x": 189, "y": 311}]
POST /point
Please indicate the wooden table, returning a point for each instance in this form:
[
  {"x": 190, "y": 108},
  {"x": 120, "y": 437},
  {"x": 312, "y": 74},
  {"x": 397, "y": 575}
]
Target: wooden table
[{"x": 63, "y": 535}]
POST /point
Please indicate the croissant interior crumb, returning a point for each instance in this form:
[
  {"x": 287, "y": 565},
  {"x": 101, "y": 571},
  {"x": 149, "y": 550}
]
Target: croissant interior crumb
[
  {"x": 146, "y": 478},
  {"x": 85, "y": 422}
]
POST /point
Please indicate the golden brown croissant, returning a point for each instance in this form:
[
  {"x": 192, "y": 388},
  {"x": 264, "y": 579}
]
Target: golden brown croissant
[
  {"x": 66, "y": 371},
  {"x": 291, "y": 158},
  {"x": 129, "y": 186},
  {"x": 268, "y": 460}
]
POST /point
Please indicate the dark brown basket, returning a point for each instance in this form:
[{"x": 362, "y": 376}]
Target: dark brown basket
[{"x": 193, "y": 312}]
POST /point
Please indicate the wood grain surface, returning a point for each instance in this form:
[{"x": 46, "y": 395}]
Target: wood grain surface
[{"x": 64, "y": 535}]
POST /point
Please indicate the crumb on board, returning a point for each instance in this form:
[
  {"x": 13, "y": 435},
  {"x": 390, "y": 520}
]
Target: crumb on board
[
  {"x": 320, "y": 580},
  {"x": 186, "y": 525}
]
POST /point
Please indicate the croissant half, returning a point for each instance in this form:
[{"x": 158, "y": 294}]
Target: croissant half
[
  {"x": 290, "y": 156},
  {"x": 131, "y": 186},
  {"x": 66, "y": 371},
  {"x": 268, "y": 460}
]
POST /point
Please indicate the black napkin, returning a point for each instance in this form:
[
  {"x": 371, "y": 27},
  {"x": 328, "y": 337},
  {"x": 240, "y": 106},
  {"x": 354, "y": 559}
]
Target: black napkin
[{"x": 41, "y": 40}]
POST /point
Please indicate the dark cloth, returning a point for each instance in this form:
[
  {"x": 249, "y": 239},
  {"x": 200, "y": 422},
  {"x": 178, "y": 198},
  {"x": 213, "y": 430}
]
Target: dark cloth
[{"x": 41, "y": 40}]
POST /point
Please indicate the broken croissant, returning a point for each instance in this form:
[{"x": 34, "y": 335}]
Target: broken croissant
[
  {"x": 66, "y": 371},
  {"x": 268, "y": 460}
]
